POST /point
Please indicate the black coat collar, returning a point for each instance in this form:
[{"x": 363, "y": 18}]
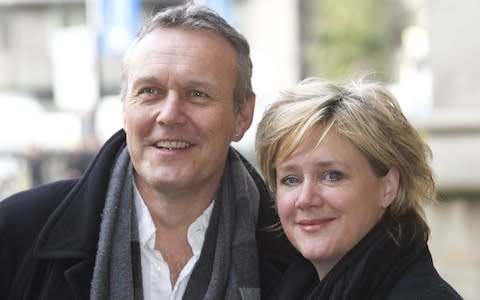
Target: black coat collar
[{"x": 73, "y": 228}]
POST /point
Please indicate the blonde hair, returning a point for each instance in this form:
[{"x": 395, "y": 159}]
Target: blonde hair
[{"x": 370, "y": 117}]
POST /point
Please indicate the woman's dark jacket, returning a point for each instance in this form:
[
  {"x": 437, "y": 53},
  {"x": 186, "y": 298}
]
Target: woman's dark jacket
[
  {"x": 377, "y": 268},
  {"x": 49, "y": 234}
]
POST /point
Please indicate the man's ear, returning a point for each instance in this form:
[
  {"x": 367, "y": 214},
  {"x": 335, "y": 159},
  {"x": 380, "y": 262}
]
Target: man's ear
[
  {"x": 124, "y": 117},
  {"x": 244, "y": 118},
  {"x": 391, "y": 182}
]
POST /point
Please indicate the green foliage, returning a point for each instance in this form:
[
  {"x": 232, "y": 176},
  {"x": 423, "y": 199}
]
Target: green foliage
[{"x": 348, "y": 37}]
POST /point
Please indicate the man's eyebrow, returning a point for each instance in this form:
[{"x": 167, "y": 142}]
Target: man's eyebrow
[
  {"x": 202, "y": 84},
  {"x": 205, "y": 86},
  {"x": 142, "y": 80}
]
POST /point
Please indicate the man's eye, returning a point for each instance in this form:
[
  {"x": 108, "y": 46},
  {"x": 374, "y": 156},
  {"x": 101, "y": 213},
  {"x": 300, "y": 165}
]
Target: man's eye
[
  {"x": 147, "y": 90},
  {"x": 290, "y": 180},
  {"x": 197, "y": 94},
  {"x": 333, "y": 176}
]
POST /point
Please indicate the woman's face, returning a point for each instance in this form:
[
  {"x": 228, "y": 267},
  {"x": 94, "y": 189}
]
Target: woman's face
[{"x": 328, "y": 197}]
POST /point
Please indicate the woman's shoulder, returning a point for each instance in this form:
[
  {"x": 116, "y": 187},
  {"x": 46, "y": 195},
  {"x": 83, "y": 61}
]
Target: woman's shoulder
[{"x": 422, "y": 281}]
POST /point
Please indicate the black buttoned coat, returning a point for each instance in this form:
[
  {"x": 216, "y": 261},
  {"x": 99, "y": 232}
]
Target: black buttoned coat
[{"x": 49, "y": 234}]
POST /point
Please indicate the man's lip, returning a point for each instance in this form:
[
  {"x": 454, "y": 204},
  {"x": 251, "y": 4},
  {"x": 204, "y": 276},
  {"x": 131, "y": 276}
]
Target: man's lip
[{"x": 172, "y": 144}]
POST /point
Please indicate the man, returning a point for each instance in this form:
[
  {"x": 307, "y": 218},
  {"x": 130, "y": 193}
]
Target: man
[{"x": 167, "y": 209}]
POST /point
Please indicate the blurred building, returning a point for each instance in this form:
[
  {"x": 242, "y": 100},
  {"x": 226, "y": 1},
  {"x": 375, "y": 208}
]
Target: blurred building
[
  {"x": 26, "y": 30},
  {"x": 60, "y": 65}
]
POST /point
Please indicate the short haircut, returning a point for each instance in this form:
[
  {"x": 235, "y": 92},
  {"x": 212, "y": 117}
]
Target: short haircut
[
  {"x": 370, "y": 117},
  {"x": 197, "y": 17}
]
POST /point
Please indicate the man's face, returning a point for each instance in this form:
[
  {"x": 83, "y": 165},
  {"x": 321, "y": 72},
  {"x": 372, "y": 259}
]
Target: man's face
[{"x": 179, "y": 109}]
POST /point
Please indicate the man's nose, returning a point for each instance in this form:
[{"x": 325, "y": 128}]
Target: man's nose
[{"x": 171, "y": 110}]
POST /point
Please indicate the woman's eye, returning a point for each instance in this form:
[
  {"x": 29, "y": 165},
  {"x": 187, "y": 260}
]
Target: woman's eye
[
  {"x": 333, "y": 176},
  {"x": 290, "y": 180}
]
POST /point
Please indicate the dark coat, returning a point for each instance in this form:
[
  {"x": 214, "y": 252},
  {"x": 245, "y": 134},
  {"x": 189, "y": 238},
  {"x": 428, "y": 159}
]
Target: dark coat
[
  {"x": 420, "y": 281},
  {"x": 376, "y": 268},
  {"x": 49, "y": 234}
]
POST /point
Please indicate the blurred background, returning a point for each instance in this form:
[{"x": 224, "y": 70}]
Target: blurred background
[{"x": 60, "y": 76}]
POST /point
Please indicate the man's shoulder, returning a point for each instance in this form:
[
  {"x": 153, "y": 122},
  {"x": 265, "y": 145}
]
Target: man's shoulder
[
  {"x": 22, "y": 217},
  {"x": 29, "y": 207}
]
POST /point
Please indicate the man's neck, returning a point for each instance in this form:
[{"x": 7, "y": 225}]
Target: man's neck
[
  {"x": 175, "y": 249},
  {"x": 172, "y": 218},
  {"x": 175, "y": 214}
]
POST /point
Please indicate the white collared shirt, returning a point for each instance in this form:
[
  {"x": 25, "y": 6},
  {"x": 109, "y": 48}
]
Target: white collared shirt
[{"x": 155, "y": 271}]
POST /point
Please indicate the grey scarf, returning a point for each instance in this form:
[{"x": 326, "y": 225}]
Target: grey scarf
[
  {"x": 228, "y": 266},
  {"x": 117, "y": 272}
]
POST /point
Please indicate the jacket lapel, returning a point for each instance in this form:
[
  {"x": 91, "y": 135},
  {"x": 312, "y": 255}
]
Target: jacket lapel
[
  {"x": 68, "y": 241},
  {"x": 79, "y": 277}
]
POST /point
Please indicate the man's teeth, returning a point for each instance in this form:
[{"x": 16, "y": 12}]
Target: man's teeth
[{"x": 170, "y": 145}]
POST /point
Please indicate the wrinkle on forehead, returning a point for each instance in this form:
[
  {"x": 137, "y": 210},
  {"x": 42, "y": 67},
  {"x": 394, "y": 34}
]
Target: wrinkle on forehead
[
  {"x": 187, "y": 59},
  {"x": 175, "y": 43}
]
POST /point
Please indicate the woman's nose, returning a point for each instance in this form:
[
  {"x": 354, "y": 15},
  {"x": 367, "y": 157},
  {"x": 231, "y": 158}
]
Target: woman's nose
[{"x": 309, "y": 196}]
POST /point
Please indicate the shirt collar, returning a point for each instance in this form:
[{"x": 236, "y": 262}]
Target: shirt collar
[
  {"x": 196, "y": 230},
  {"x": 146, "y": 227}
]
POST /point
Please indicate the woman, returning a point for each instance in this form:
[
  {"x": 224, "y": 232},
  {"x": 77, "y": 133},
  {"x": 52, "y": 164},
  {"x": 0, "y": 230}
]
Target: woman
[{"x": 350, "y": 174}]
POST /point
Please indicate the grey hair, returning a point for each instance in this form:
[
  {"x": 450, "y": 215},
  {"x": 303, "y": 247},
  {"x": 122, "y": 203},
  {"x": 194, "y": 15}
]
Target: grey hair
[{"x": 198, "y": 17}]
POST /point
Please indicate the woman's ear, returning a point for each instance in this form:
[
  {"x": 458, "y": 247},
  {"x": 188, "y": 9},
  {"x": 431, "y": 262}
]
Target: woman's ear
[{"x": 391, "y": 181}]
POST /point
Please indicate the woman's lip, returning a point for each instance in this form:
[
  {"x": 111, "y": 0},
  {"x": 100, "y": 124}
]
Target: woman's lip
[
  {"x": 314, "y": 221},
  {"x": 312, "y": 225}
]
